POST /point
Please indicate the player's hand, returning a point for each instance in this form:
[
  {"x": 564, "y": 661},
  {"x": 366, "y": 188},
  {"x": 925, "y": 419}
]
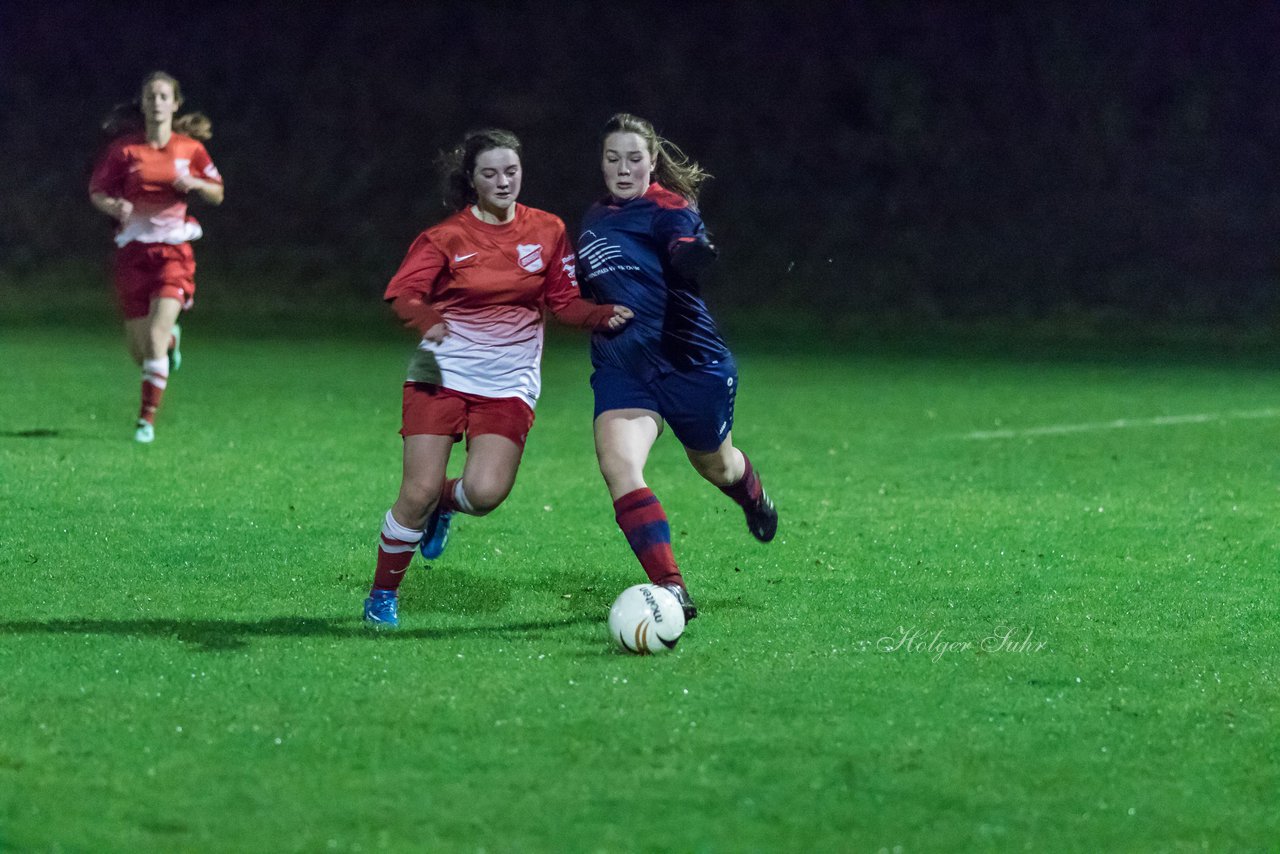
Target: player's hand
[
  {"x": 187, "y": 183},
  {"x": 621, "y": 314},
  {"x": 208, "y": 191},
  {"x": 437, "y": 333}
]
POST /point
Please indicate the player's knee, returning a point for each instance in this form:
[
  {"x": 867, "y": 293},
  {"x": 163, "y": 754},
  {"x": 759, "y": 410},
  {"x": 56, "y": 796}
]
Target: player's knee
[
  {"x": 484, "y": 497},
  {"x": 137, "y": 348},
  {"x": 417, "y": 500},
  {"x": 713, "y": 467}
]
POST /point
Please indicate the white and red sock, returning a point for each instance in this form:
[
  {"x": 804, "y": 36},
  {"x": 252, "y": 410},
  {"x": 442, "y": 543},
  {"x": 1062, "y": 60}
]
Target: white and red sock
[
  {"x": 155, "y": 376},
  {"x": 395, "y": 551},
  {"x": 453, "y": 499}
]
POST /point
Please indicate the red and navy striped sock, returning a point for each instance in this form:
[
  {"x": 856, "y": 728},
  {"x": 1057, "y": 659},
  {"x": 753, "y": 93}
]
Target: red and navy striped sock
[
  {"x": 747, "y": 490},
  {"x": 644, "y": 522}
]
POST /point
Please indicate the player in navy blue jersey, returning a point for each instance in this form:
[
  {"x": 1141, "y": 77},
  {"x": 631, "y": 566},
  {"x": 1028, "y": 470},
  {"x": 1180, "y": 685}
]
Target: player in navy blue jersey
[{"x": 645, "y": 246}]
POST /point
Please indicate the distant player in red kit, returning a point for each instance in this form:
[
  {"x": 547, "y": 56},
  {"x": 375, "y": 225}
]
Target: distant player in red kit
[
  {"x": 142, "y": 181},
  {"x": 475, "y": 286}
]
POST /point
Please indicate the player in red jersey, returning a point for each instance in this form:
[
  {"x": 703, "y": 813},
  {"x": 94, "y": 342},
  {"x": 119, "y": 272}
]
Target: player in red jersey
[
  {"x": 475, "y": 286},
  {"x": 142, "y": 181}
]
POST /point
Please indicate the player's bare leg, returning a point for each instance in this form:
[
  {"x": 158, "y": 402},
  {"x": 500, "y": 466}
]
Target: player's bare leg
[
  {"x": 148, "y": 339},
  {"x": 487, "y": 478},
  {"x": 731, "y": 471},
  {"x": 488, "y": 475},
  {"x": 624, "y": 438},
  {"x": 426, "y": 457}
]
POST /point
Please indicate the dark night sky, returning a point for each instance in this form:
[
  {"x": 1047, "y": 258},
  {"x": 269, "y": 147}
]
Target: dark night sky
[{"x": 951, "y": 158}]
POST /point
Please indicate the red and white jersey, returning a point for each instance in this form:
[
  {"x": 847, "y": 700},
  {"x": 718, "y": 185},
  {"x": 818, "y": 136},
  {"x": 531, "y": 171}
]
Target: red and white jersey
[
  {"x": 132, "y": 169},
  {"x": 491, "y": 283}
]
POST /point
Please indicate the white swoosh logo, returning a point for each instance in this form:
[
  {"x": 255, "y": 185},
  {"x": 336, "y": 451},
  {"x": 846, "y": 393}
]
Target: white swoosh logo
[{"x": 457, "y": 259}]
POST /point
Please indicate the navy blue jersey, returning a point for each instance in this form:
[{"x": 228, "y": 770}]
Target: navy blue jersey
[{"x": 625, "y": 257}]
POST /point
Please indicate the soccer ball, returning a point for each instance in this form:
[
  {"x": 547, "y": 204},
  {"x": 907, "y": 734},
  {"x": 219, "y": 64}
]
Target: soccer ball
[{"x": 646, "y": 619}]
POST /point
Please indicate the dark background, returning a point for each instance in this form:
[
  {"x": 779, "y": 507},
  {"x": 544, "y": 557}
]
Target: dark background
[{"x": 907, "y": 159}]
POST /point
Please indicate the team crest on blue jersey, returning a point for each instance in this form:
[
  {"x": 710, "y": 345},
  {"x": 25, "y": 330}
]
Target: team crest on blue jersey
[{"x": 530, "y": 256}]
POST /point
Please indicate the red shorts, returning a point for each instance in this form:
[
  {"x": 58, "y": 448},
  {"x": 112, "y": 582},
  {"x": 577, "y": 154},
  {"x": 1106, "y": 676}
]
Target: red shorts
[
  {"x": 146, "y": 271},
  {"x": 432, "y": 410}
]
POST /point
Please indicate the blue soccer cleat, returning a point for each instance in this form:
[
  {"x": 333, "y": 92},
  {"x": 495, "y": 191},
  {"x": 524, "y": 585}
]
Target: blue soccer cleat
[
  {"x": 381, "y": 609},
  {"x": 436, "y": 535}
]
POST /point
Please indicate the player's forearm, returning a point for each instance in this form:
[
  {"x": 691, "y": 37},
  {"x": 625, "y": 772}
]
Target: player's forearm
[
  {"x": 209, "y": 192},
  {"x": 109, "y": 205},
  {"x": 416, "y": 313},
  {"x": 584, "y": 314}
]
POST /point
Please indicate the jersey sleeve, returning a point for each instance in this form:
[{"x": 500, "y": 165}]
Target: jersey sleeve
[
  {"x": 672, "y": 224},
  {"x": 562, "y": 296},
  {"x": 108, "y": 173},
  {"x": 683, "y": 235},
  {"x": 562, "y": 275},
  {"x": 419, "y": 270},
  {"x": 202, "y": 165}
]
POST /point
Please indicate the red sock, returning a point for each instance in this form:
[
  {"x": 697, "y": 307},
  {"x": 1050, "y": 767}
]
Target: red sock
[
  {"x": 644, "y": 522},
  {"x": 747, "y": 490},
  {"x": 447, "y": 502},
  {"x": 155, "y": 376},
  {"x": 395, "y": 551}
]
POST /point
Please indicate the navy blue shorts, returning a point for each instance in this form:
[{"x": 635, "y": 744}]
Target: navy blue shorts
[{"x": 697, "y": 403}]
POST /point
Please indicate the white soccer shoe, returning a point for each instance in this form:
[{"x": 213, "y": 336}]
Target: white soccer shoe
[{"x": 146, "y": 432}]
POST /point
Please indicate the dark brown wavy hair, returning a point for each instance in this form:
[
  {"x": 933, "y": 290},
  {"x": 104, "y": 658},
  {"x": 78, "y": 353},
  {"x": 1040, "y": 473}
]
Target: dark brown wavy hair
[{"x": 457, "y": 164}]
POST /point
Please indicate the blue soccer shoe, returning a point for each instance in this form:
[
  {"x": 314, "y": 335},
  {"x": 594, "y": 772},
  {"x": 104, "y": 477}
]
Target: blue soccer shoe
[
  {"x": 436, "y": 535},
  {"x": 382, "y": 610}
]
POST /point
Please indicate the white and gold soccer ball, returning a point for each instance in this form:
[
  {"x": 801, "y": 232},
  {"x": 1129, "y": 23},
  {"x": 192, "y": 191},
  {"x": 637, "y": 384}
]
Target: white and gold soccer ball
[{"x": 646, "y": 619}]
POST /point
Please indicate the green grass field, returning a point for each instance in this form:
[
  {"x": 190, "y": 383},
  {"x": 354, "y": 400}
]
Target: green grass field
[{"x": 1016, "y": 603}]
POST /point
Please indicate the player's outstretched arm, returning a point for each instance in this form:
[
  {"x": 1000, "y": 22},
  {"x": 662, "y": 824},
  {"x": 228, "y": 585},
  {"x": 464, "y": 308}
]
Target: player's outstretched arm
[{"x": 585, "y": 314}]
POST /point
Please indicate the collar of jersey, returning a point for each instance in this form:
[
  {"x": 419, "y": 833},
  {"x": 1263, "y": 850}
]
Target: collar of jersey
[{"x": 473, "y": 221}]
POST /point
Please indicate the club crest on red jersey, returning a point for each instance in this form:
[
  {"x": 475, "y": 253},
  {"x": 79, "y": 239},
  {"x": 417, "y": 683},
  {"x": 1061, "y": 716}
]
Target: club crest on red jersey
[{"x": 530, "y": 256}]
